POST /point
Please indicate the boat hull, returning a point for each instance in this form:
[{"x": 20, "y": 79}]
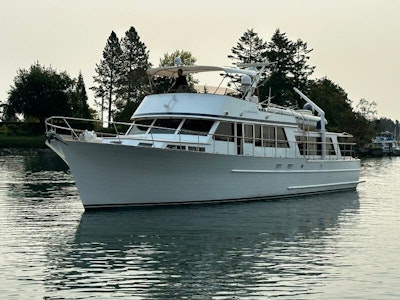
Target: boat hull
[{"x": 110, "y": 175}]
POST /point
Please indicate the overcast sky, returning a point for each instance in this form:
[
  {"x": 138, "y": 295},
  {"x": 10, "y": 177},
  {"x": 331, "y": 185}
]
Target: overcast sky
[{"x": 356, "y": 42}]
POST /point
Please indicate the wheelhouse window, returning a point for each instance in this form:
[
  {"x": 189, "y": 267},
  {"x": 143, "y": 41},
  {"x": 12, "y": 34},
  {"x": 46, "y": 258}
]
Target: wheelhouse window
[
  {"x": 140, "y": 126},
  {"x": 282, "y": 141},
  {"x": 248, "y": 133},
  {"x": 329, "y": 147},
  {"x": 224, "y": 132},
  {"x": 196, "y": 127},
  {"x": 313, "y": 145},
  {"x": 268, "y": 136},
  {"x": 165, "y": 126},
  {"x": 274, "y": 137},
  {"x": 257, "y": 135}
]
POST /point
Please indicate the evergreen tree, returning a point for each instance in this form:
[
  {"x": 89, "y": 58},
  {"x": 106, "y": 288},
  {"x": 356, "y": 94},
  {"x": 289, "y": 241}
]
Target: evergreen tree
[
  {"x": 134, "y": 82},
  {"x": 80, "y": 99},
  {"x": 108, "y": 78},
  {"x": 249, "y": 49},
  {"x": 289, "y": 68},
  {"x": 135, "y": 58}
]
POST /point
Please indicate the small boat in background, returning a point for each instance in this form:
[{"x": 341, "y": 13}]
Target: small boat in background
[
  {"x": 202, "y": 146},
  {"x": 384, "y": 144}
]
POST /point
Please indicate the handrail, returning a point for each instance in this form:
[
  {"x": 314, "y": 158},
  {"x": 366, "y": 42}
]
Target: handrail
[{"x": 309, "y": 149}]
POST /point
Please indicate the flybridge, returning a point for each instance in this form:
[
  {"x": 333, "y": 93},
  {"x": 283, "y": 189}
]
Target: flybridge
[{"x": 250, "y": 77}]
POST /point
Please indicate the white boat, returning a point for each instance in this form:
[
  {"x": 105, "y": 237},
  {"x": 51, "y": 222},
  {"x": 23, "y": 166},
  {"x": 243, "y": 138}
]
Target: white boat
[
  {"x": 194, "y": 147},
  {"x": 386, "y": 143}
]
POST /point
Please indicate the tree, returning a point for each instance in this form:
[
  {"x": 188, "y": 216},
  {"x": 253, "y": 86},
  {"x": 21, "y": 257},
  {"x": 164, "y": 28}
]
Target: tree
[
  {"x": 108, "y": 78},
  {"x": 39, "y": 93},
  {"x": 289, "y": 68},
  {"x": 334, "y": 101},
  {"x": 250, "y": 49},
  {"x": 134, "y": 82},
  {"x": 79, "y": 99},
  {"x": 367, "y": 109},
  {"x": 186, "y": 57},
  {"x": 384, "y": 124},
  {"x": 135, "y": 59},
  {"x": 338, "y": 110}
]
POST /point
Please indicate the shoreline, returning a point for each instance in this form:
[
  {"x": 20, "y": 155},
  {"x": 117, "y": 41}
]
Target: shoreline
[{"x": 24, "y": 142}]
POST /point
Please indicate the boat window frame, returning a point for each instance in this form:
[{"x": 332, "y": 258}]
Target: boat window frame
[
  {"x": 198, "y": 132},
  {"x": 164, "y": 129},
  {"x": 226, "y": 136},
  {"x": 135, "y": 125}
]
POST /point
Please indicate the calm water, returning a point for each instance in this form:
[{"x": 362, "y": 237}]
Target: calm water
[{"x": 335, "y": 246}]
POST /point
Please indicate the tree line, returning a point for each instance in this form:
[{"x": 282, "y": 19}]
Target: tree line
[{"x": 120, "y": 84}]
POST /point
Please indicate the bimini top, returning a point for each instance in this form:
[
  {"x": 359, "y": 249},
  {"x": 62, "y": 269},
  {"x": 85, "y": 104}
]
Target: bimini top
[{"x": 172, "y": 71}]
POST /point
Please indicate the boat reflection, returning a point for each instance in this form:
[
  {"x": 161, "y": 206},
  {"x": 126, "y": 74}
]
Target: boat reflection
[{"x": 270, "y": 248}]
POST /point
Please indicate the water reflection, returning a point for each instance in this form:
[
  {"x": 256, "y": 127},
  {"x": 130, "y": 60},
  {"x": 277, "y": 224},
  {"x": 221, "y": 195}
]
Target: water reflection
[
  {"x": 246, "y": 250},
  {"x": 36, "y": 175},
  {"x": 51, "y": 249}
]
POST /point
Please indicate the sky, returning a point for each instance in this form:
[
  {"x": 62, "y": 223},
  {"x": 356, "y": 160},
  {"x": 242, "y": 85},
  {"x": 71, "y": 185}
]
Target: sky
[{"x": 356, "y": 43}]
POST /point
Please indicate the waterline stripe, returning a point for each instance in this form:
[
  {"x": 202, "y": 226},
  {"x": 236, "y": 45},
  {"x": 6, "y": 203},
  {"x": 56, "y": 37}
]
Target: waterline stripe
[
  {"x": 293, "y": 171},
  {"x": 322, "y": 185}
]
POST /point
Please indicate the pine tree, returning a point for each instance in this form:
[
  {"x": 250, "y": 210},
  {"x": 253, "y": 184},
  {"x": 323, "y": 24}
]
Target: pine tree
[
  {"x": 249, "y": 49},
  {"x": 135, "y": 58},
  {"x": 289, "y": 68},
  {"x": 134, "y": 81},
  {"x": 108, "y": 78},
  {"x": 82, "y": 107}
]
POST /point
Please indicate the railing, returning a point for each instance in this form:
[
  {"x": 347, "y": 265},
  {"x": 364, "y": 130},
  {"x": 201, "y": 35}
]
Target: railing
[
  {"x": 262, "y": 147},
  {"x": 75, "y": 126}
]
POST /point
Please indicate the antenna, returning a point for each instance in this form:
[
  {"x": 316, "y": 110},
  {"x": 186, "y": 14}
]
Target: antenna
[{"x": 269, "y": 96}]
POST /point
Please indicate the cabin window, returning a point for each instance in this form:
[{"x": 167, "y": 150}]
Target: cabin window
[
  {"x": 312, "y": 145},
  {"x": 248, "y": 133},
  {"x": 346, "y": 147},
  {"x": 196, "y": 127},
  {"x": 257, "y": 135},
  {"x": 268, "y": 136},
  {"x": 224, "y": 132},
  {"x": 165, "y": 126},
  {"x": 140, "y": 126},
  {"x": 282, "y": 141},
  {"x": 199, "y": 149},
  {"x": 176, "y": 147},
  {"x": 329, "y": 147},
  {"x": 307, "y": 145}
]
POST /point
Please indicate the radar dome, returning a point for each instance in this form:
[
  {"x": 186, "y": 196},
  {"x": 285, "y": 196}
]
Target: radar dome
[
  {"x": 245, "y": 80},
  {"x": 308, "y": 106},
  {"x": 177, "y": 61}
]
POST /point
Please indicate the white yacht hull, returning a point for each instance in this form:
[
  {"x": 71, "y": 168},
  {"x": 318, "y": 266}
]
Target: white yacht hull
[{"x": 115, "y": 175}]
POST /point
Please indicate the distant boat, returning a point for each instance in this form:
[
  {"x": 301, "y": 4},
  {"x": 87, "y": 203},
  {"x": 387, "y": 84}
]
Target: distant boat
[
  {"x": 209, "y": 145},
  {"x": 385, "y": 144}
]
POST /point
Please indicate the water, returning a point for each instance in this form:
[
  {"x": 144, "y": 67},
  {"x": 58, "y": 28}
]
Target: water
[{"x": 334, "y": 246}]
